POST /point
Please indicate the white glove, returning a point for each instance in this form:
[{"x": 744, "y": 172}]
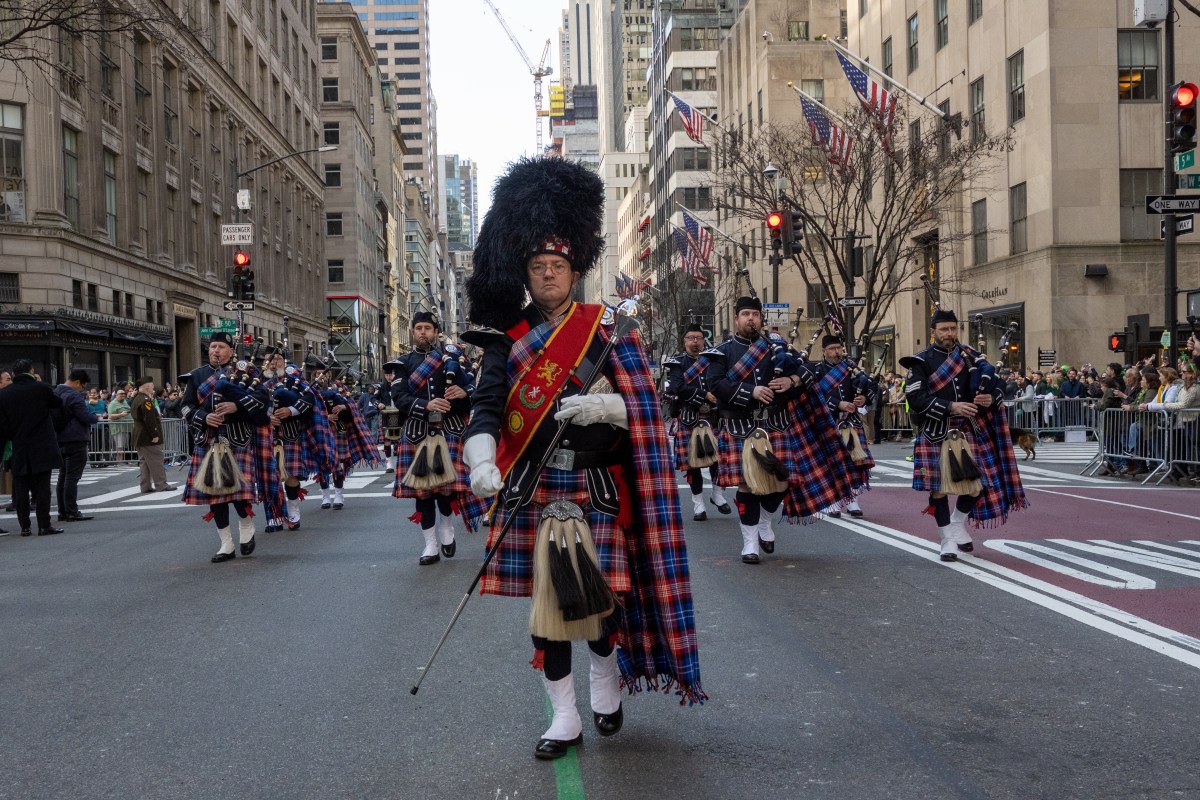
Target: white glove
[
  {"x": 479, "y": 452},
  {"x": 588, "y": 409}
]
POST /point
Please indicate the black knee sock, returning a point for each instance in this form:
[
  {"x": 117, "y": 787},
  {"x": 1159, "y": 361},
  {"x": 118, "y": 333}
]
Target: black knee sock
[
  {"x": 292, "y": 492},
  {"x": 324, "y": 482},
  {"x": 965, "y": 503},
  {"x": 427, "y": 508},
  {"x": 712, "y": 474},
  {"x": 770, "y": 502},
  {"x": 339, "y": 482},
  {"x": 941, "y": 510},
  {"x": 748, "y": 507},
  {"x": 444, "y": 505},
  {"x": 556, "y": 658},
  {"x": 696, "y": 481},
  {"x": 220, "y": 512}
]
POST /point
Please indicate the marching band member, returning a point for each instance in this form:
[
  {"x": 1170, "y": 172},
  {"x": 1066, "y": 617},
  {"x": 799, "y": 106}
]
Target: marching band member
[
  {"x": 352, "y": 435},
  {"x": 692, "y": 426},
  {"x": 964, "y": 445},
  {"x": 846, "y": 389},
  {"x": 433, "y": 394},
  {"x": 608, "y": 488},
  {"x": 232, "y": 463}
]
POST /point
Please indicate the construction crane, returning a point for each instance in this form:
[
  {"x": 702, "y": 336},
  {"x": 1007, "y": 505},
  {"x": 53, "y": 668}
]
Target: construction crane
[{"x": 538, "y": 72}]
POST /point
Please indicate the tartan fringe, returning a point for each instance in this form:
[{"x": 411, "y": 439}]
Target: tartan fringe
[{"x": 688, "y": 695}]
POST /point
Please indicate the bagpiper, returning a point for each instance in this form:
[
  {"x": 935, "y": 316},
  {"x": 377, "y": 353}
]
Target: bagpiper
[
  {"x": 352, "y": 435},
  {"x": 432, "y": 392},
  {"x": 232, "y": 463},
  {"x": 848, "y": 392},
  {"x": 693, "y": 424},
  {"x": 963, "y": 446}
]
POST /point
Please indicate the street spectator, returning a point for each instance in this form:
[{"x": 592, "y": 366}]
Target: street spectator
[
  {"x": 25, "y": 421},
  {"x": 1141, "y": 429},
  {"x": 5, "y": 451},
  {"x": 74, "y": 433},
  {"x": 370, "y": 410},
  {"x": 96, "y": 405},
  {"x": 896, "y": 403},
  {"x": 1071, "y": 387},
  {"x": 172, "y": 407},
  {"x": 1185, "y": 430},
  {"x": 148, "y": 439},
  {"x": 119, "y": 424},
  {"x": 1009, "y": 384}
]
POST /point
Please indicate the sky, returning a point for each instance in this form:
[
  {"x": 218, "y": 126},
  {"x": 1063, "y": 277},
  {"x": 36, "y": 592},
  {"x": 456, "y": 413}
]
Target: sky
[{"x": 483, "y": 88}]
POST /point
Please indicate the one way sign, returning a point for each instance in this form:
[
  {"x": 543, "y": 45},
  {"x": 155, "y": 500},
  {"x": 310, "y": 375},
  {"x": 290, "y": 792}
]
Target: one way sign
[{"x": 1158, "y": 204}]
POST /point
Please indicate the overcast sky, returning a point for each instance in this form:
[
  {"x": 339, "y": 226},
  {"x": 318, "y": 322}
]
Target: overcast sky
[{"x": 483, "y": 89}]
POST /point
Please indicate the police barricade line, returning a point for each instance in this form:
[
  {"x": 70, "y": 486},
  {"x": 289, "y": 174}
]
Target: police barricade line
[
  {"x": 111, "y": 443},
  {"x": 1135, "y": 442},
  {"x": 1184, "y": 447},
  {"x": 895, "y": 422},
  {"x": 1053, "y": 415}
]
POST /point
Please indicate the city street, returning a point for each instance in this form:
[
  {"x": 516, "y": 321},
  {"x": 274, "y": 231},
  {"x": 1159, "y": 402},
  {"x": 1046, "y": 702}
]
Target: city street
[{"x": 1060, "y": 660}]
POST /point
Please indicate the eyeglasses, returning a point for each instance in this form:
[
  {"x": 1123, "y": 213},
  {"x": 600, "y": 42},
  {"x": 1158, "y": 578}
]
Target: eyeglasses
[{"x": 556, "y": 268}]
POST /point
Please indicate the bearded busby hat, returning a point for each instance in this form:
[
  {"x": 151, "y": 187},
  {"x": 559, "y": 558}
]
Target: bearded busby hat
[
  {"x": 830, "y": 339},
  {"x": 942, "y": 315},
  {"x": 746, "y": 301},
  {"x": 540, "y": 205}
]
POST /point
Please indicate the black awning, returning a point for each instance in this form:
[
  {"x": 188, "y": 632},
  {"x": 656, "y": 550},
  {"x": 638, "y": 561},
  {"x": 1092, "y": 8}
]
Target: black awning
[
  {"x": 74, "y": 326},
  {"x": 144, "y": 337}
]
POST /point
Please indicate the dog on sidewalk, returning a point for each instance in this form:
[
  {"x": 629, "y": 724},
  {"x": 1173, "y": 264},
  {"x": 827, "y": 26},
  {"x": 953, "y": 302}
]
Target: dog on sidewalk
[{"x": 1026, "y": 441}]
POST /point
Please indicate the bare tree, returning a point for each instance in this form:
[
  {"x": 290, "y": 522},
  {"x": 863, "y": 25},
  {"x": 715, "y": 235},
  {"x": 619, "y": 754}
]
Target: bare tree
[
  {"x": 906, "y": 197},
  {"x": 676, "y": 299}
]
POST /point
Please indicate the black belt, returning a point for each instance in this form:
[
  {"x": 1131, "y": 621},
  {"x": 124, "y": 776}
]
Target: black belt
[
  {"x": 731, "y": 415},
  {"x": 565, "y": 459}
]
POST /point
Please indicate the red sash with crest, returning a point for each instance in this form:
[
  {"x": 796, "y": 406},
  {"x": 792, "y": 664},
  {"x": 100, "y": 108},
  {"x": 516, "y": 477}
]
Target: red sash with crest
[{"x": 537, "y": 384}]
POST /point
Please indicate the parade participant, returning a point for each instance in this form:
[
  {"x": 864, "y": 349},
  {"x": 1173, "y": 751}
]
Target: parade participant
[
  {"x": 304, "y": 440},
  {"x": 226, "y": 410},
  {"x": 846, "y": 389},
  {"x": 388, "y": 415},
  {"x": 610, "y": 476},
  {"x": 354, "y": 443},
  {"x": 692, "y": 426},
  {"x": 964, "y": 445},
  {"x": 432, "y": 392},
  {"x": 148, "y": 439},
  {"x": 776, "y": 441}
]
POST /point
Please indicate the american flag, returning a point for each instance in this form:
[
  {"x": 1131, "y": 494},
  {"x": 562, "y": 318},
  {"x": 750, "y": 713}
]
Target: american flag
[
  {"x": 874, "y": 98},
  {"x": 836, "y": 141},
  {"x": 622, "y": 286},
  {"x": 689, "y": 258},
  {"x": 693, "y": 121},
  {"x": 700, "y": 239}
]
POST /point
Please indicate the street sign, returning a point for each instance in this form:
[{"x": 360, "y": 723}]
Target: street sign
[
  {"x": 243, "y": 199},
  {"x": 1165, "y": 339},
  {"x": 1185, "y": 160},
  {"x": 1158, "y": 204},
  {"x": 1187, "y": 181},
  {"x": 1183, "y": 224},
  {"x": 239, "y": 305},
  {"x": 1047, "y": 358},
  {"x": 776, "y": 314},
  {"x": 241, "y": 233},
  {"x": 852, "y": 301}
]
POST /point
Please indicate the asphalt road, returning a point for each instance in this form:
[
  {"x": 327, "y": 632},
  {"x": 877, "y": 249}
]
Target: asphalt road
[{"x": 850, "y": 664}]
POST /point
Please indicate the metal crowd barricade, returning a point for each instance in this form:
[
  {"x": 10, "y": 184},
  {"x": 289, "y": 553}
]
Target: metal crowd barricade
[
  {"x": 1054, "y": 415},
  {"x": 112, "y": 442},
  {"x": 895, "y": 422},
  {"x": 1137, "y": 439},
  {"x": 1184, "y": 442}
]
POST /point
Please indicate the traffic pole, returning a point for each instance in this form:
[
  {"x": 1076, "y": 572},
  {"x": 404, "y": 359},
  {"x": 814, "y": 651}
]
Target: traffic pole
[{"x": 1169, "y": 238}]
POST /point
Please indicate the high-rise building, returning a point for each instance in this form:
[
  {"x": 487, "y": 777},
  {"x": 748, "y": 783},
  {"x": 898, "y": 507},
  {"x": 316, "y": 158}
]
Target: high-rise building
[
  {"x": 121, "y": 164},
  {"x": 460, "y": 201}
]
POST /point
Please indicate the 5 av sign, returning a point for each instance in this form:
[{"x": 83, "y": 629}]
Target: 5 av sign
[{"x": 1158, "y": 204}]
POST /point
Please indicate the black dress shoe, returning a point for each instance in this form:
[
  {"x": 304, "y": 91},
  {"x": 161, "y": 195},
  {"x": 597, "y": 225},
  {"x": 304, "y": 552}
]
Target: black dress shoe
[
  {"x": 448, "y": 550},
  {"x": 248, "y": 547},
  {"x": 969, "y": 547},
  {"x": 336, "y": 506},
  {"x": 167, "y": 488},
  {"x": 949, "y": 557},
  {"x": 856, "y": 513},
  {"x": 724, "y": 508},
  {"x": 26, "y": 532},
  {"x": 76, "y": 517},
  {"x": 49, "y": 531},
  {"x": 750, "y": 558},
  {"x": 608, "y": 724},
  {"x": 325, "y": 505},
  {"x": 767, "y": 547},
  {"x": 550, "y": 749},
  {"x": 700, "y": 516},
  {"x": 834, "y": 515},
  {"x": 427, "y": 560},
  {"x": 220, "y": 557}
]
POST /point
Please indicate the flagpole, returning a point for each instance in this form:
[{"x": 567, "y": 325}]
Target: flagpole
[
  {"x": 890, "y": 80},
  {"x": 706, "y": 119},
  {"x": 823, "y": 107}
]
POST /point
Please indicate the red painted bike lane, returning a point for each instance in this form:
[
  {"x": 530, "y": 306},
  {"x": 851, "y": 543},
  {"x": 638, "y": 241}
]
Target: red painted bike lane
[{"x": 1086, "y": 514}]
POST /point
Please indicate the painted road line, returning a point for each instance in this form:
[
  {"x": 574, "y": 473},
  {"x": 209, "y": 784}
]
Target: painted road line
[
  {"x": 1159, "y": 546},
  {"x": 1100, "y": 616},
  {"x": 109, "y": 496},
  {"x": 149, "y": 497},
  {"x": 1119, "y": 551},
  {"x": 1035, "y": 471},
  {"x": 1126, "y": 505},
  {"x": 1120, "y": 578}
]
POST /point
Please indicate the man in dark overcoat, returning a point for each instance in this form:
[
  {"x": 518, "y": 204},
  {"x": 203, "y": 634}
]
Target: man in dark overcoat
[{"x": 25, "y": 420}]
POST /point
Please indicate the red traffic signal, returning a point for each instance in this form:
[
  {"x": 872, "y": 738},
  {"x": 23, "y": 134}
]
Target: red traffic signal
[
  {"x": 1185, "y": 95},
  {"x": 1183, "y": 117},
  {"x": 241, "y": 259},
  {"x": 775, "y": 222}
]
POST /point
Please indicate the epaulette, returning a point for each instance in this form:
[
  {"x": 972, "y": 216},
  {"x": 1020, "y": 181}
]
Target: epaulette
[
  {"x": 908, "y": 362},
  {"x": 713, "y": 352},
  {"x": 672, "y": 361}
]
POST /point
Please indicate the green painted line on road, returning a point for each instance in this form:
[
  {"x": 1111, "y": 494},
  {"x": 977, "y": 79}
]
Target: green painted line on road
[{"x": 567, "y": 775}]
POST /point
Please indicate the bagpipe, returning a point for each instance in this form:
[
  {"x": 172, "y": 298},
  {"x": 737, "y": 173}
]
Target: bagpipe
[
  {"x": 762, "y": 470},
  {"x": 219, "y": 473},
  {"x": 432, "y": 466},
  {"x": 702, "y": 441}
]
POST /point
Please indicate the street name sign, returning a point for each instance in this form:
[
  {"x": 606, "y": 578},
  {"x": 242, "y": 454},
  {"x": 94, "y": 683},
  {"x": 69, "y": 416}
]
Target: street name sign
[
  {"x": 776, "y": 313},
  {"x": 852, "y": 301},
  {"x": 1185, "y": 160},
  {"x": 239, "y": 305},
  {"x": 1183, "y": 224},
  {"x": 240, "y": 233},
  {"x": 1187, "y": 181},
  {"x": 226, "y": 325},
  {"x": 1159, "y": 204},
  {"x": 1046, "y": 358}
]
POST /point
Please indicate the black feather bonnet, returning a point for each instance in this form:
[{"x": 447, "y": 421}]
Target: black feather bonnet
[{"x": 536, "y": 200}]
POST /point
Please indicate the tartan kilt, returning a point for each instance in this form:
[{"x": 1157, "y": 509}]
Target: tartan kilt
[
  {"x": 680, "y": 434},
  {"x": 729, "y": 466},
  {"x": 510, "y": 573},
  {"x": 245, "y": 461},
  {"x": 298, "y": 460},
  {"x": 927, "y": 460},
  {"x": 406, "y": 451},
  {"x": 867, "y": 464}
]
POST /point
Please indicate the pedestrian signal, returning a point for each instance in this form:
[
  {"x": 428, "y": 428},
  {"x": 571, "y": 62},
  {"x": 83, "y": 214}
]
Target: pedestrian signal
[{"x": 1116, "y": 342}]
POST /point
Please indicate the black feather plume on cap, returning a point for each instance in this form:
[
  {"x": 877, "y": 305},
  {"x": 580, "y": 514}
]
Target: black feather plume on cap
[{"x": 536, "y": 199}]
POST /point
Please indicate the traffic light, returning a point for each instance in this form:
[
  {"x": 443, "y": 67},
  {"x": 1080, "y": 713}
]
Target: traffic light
[
  {"x": 1116, "y": 342},
  {"x": 795, "y": 231},
  {"x": 775, "y": 226},
  {"x": 241, "y": 259},
  {"x": 1183, "y": 117},
  {"x": 241, "y": 273},
  {"x": 248, "y": 285}
]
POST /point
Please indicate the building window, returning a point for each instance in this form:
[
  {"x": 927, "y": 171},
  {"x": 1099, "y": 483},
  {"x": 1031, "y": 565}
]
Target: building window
[
  {"x": 1135, "y": 222},
  {"x": 1016, "y": 87},
  {"x": 887, "y": 57},
  {"x": 943, "y": 141},
  {"x": 978, "y": 131},
  {"x": 974, "y": 11},
  {"x": 914, "y": 147},
  {"x": 697, "y": 198},
  {"x": 329, "y": 90},
  {"x": 110, "y": 196},
  {"x": 170, "y": 115},
  {"x": 12, "y": 163},
  {"x": 337, "y": 270},
  {"x": 71, "y": 176},
  {"x": 979, "y": 232},
  {"x": 158, "y": 313},
  {"x": 862, "y": 8},
  {"x": 333, "y": 175},
  {"x": 1017, "y": 240},
  {"x": 913, "y": 31},
  {"x": 93, "y": 298},
  {"x": 143, "y": 209},
  {"x": 329, "y": 48},
  {"x": 814, "y": 88},
  {"x": 843, "y": 26},
  {"x": 797, "y": 30},
  {"x": 1137, "y": 65},
  {"x": 943, "y": 23},
  {"x": 141, "y": 79},
  {"x": 10, "y": 287},
  {"x": 333, "y": 223},
  {"x": 128, "y": 305},
  {"x": 149, "y": 310},
  {"x": 77, "y": 294},
  {"x": 333, "y": 133}
]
